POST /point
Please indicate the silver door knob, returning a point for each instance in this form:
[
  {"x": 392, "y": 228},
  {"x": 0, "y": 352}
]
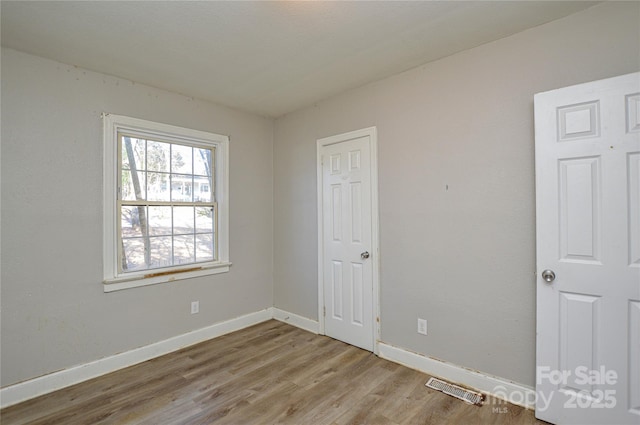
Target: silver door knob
[
  {"x": 548, "y": 276},
  {"x": 364, "y": 255}
]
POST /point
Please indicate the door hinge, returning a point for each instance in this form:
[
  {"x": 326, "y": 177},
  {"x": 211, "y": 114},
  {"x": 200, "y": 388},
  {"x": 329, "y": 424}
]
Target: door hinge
[{"x": 324, "y": 311}]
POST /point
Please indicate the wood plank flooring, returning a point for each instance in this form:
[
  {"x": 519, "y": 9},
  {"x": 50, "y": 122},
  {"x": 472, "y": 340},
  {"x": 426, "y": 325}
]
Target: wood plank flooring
[{"x": 271, "y": 373}]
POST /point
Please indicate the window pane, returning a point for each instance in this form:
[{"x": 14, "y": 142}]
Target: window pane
[
  {"x": 158, "y": 187},
  {"x": 136, "y": 147},
  {"x": 202, "y": 162},
  {"x": 181, "y": 188},
  {"x": 181, "y": 159},
  {"x": 202, "y": 189},
  {"x": 158, "y": 156},
  {"x": 160, "y": 251},
  {"x": 183, "y": 220},
  {"x": 133, "y": 254},
  {"x": 183, "y": 250},
  {"x": 204, "y": 247},
  {"x": 130, "y": 221},
  {"x": 204, "y": 220},
  {"x": 159, "y": 221},
  {"x": 130, "y": 188}
]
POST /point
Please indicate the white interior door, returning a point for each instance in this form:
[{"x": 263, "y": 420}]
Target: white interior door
[
  {"x": 348, "y": 250},
  {"x": 588, "y": 236}
]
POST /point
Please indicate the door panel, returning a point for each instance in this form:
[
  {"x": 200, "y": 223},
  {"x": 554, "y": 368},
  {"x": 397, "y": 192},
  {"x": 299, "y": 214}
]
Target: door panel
[
  {"x": 578, "y": 315},
  {"x": 588, "y": 233},
  {"x": 634, "y": 356},
  {"x": 633, "y": 165},
  {"x": 336, "y": 290},
  {"x": 579, "y": 209},
  {"x": 347, "y": 233}
]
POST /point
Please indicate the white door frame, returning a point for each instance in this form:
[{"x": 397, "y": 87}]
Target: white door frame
[{"x": 371, "y": 132}]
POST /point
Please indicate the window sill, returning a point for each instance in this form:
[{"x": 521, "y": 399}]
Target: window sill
[{"x": 127, "y": 282}]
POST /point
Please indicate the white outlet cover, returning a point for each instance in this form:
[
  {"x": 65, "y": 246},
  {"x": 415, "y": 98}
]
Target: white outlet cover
[
  {"x": 422, "y": 326},
  {"x": 195, "y": 307}
]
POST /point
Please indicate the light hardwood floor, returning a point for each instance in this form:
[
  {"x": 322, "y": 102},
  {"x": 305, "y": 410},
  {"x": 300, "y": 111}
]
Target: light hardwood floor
[{"x": 266, "y": 374}]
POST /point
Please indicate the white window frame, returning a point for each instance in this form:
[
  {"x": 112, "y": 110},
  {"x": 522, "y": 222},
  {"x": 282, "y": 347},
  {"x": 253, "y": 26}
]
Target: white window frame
[{"x": 115, "y": 280}]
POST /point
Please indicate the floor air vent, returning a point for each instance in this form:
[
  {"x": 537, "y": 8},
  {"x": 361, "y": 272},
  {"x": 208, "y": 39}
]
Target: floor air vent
[{"x": 456, "y": 391}]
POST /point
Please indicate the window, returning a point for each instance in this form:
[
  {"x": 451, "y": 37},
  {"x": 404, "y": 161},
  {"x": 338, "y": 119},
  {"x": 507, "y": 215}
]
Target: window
[{"x": 165, "y": 197}]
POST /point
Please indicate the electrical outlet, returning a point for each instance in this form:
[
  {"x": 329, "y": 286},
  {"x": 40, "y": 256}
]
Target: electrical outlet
[
  {"x": 422, "y": 326},
  {"x": 195, "y": 307}
]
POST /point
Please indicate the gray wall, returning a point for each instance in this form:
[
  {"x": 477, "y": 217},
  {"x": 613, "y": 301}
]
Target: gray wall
[
  {"x": 54, "y": 312},
  {"x": 463, "y": 258}
]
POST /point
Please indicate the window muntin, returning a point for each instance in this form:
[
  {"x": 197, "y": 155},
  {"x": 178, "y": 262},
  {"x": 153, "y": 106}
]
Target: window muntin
[{"x": 165, "y": 203}]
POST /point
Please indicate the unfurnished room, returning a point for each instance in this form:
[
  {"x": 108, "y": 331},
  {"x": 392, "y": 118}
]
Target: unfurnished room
[{"x": 320, "y": 212}]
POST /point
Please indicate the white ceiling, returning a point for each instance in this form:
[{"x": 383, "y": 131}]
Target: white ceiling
[{"x": 270, "y": 58}]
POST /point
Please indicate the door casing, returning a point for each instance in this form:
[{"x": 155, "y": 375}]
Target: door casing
[{"x": 371, "y": 133}]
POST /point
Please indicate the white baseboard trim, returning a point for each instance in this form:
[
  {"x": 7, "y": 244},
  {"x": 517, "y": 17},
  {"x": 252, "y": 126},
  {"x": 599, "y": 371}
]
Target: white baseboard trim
[
  {"x": 503, "y": 389},
  {"x": 54, "y": 381},
  {"x": 296, "y": 320}
]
